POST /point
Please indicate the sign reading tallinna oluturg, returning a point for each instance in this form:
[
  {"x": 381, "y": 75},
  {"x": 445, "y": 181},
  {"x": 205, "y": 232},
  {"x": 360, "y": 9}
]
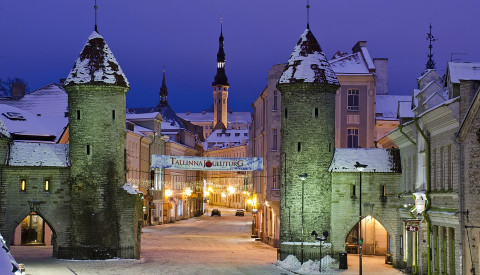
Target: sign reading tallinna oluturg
[{"x": 207, "y": 164}]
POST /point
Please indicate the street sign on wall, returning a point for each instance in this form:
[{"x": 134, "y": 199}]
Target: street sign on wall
[
  {"x": 411, "y": 228},
  {"x": 206, "y": 164}
]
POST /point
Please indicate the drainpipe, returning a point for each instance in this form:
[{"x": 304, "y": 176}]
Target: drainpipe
[
  {"x": 427, "y": 194},
  {"x": 461, "y": 207},
  {"x": 400, "y": 128}
]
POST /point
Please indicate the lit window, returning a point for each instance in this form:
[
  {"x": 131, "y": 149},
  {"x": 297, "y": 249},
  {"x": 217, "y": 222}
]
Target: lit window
[
  {"x": 353, "y": 103},
  {"x": 352, "y": 138},
  {"x": 46, "y": 186},
  {"x": 275, "y": 178},
  {"x": 23, "y": 185}
]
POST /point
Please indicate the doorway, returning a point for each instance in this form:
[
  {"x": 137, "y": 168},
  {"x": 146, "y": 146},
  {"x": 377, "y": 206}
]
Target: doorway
[{"x": 374, "y": 235}]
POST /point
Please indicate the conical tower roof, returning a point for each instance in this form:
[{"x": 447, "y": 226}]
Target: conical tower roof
[
  {"x": 308, "y": 63},
  {"x": 97, "y": 65}
]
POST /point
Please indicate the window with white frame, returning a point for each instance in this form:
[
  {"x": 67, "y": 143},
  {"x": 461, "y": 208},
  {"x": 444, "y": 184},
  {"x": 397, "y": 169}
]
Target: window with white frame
[
  {"x": 352, "y": 137},
  {"x": 275, "y": 100},
  {"x": 353, "y": 100}
]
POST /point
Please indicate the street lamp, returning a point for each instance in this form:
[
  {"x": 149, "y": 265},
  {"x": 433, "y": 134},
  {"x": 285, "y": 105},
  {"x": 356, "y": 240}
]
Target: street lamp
[
  {"x": 360, "y": 167},
  {"x": 303, "y": 177}
]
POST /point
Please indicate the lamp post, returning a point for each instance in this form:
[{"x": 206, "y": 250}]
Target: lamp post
[
  {"x": 303, "y": 177},
  {"x": 360, "y": 168}
]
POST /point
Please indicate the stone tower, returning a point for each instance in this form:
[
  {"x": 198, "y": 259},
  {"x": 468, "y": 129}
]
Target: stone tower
[
  {"x": 220, "y": 88},
  {"x": 308, "y": 86},
  {"x": 104, "y": 221}
]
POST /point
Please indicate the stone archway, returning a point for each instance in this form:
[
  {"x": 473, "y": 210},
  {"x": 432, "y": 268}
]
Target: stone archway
[
  {"x": 375, "y": 238},
  {"x": 38, "y": 231}
]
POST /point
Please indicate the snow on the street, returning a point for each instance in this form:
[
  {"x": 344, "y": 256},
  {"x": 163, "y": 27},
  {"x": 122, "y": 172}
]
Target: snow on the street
[{"x": 205, "y": 245}]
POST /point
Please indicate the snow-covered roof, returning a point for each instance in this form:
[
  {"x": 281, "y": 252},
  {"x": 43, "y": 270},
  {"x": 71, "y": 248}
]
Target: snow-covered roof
[
  {"x": 349, "y": 64},
  {"x": 97, "y": 65},
  {"x": 146, "y": 116},
  {"x": 308, "y": 63},
  {"x": 405, "y": 109},
  {"x": 22, "y": 123},
  {"x": 463, "y": 71},
  {"x": 379, "y": 160},
  {"x": 38, "y": 154},
  {"x": 48, "y": 101},
  {"x": 225, "y": 138},
  {"x": 233, "y": 117},
  {"x": 387, "y": 105}
]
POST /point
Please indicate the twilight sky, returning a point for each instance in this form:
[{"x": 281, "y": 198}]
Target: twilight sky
[{"x": 42, "y": 39}]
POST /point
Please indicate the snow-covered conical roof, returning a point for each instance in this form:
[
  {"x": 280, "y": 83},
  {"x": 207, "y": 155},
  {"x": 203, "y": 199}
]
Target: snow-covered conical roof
[
  {"x": 308, "y": 64},
  {"x": 97, "y": 65}
]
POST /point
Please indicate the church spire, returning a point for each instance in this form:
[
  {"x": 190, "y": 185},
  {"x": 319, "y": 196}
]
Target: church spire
[
  {"x": 220, "y": 77},
  {"x": 430, "y": 63},
  {"x": 163, "y": 92}
]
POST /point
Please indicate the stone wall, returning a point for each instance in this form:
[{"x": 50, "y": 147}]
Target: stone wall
[
  {"x": 52, "y": 206},
  {"x": 307, "y": 142}
]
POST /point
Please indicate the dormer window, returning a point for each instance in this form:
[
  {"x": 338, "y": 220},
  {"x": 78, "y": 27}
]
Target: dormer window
[{"x": 14, "y": 116}]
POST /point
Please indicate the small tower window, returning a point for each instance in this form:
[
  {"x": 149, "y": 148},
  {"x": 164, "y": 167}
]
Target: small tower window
[
  {"x": 219, "y": 100},
  {"x": 113, "y": 114},
  {"x": 354, "y": 191},
  {"x": 316, "y": 112},
  {"x": 286, "y": 113},
  {"x": 299, "y": 147},
  {"x": 88, "y": 149},
  {"x": 78, "y": 114},
  {"x": 23, "y": 185},
  {"x": 46, "y": 186}
]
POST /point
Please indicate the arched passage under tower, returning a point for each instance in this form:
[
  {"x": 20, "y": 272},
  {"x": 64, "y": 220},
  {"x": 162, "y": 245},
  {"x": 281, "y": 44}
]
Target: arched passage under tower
[{"x": 375, "y": 238}]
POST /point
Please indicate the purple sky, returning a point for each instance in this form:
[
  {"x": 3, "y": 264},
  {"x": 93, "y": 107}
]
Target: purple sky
[{"x": 42, "y": 39}]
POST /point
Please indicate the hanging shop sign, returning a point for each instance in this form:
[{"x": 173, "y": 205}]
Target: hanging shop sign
[{"x": 206, "y": 164}]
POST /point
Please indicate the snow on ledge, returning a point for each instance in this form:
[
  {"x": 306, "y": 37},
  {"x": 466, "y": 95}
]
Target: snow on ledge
[{"x": 130, "y": 189}]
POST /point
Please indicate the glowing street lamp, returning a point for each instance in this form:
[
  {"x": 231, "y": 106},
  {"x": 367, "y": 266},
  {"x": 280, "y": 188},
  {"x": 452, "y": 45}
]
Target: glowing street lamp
[
  {"x": 168, "y": 193},
  {"x": 360, "y": 167},
  {"x": 231, "y": 190},
  {"x": 188, "y": 191}
]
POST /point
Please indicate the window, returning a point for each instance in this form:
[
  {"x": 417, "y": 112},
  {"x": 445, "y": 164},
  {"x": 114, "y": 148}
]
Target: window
[
  {"x": 354, "y": 191},
  {"x": 450, "y": 167},
  {"x": 46, "y": 186},
  {"x": 353, "y": 104},
  {"x": 275, "y": 101},
  {"x": 443, "y": 167},
  {"x": 219, "y": 134},
  {"x": 299, "y": 147},
  {"x": 227, "y": 134},
  {"x": 274, "y": 139},
  {"x": 316, "y": 112},
  {"x": 286, "y": 113},
  {"x": 352, "y": 138},
  {"x": 88, "y": 149},
  {"x": 23, "y": 185},
  {"x": 275, "y": 178},
  {"x": 113, "y": 114},
  {"x": 237, "y": 134},
  {"x": 78, "y": 114}
]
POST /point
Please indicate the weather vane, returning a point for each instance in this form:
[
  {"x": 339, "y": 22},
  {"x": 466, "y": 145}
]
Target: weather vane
[
  {"x": 430, "y": 63},
  {"x": 96, "y": 8},
  {"x": 308, "y": 15}
]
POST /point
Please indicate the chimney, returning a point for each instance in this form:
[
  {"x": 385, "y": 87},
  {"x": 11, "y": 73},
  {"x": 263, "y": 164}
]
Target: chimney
[
  {"x": 18, "y": 90},
  {"x": 468, "y": 88},
  {"x": 381, "y": 79},
  {"x": 358, "y": 46}
]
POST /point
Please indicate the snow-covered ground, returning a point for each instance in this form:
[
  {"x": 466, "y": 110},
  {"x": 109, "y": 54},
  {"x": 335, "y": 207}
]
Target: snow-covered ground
[{"x": 205, "y": 246}]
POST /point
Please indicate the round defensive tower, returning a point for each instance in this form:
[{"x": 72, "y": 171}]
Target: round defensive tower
[
  {"x": 307, "y": 85},
  {"x": 96, "y": 88}
]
